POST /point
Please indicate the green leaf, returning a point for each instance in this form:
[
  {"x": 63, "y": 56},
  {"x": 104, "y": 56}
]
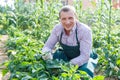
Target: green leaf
[
  {"x": 55, "y": 78},
  {"x": 4, "y": 71},
  {"x": 64, "y": 74},
  {"x": 15, "y": 79},
  {"x": 26, "y": 78},
  {"x": 25, "y": 63},
  {"x": 77, "y": 76},
  {"x": 83, "y": 72},
  {"x": 99, "y": 77},
  {"x": 118, "y": 62},
  {"x": 112, "y": 65},
  {"x": 53, "y": 64}
]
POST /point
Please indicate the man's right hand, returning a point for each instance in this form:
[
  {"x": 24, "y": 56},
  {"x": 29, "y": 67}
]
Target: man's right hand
[{"x": 47, "y": 56}]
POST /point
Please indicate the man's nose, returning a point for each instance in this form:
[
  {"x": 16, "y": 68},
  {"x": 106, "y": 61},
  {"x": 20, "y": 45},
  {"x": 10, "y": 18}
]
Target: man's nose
[{"x": 67, "y": 21}]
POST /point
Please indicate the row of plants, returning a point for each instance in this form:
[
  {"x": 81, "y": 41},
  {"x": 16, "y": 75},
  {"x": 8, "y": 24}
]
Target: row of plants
[
  {"x": 107, "y": 41},
  {"x": 29, "y": 26},
  {"x": 26, "y": 62},
  {"x": 104, "y": 21},
  {"x": 28, "y": 29}
]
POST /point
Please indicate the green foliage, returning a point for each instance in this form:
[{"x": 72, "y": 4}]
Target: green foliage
[
  {"x": 26, "y": 61},
  {"x": 98, "y": 78},
  {"x": 29, "y": 26}
]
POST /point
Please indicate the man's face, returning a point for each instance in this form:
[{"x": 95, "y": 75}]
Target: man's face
[{"x": 68, "y": 20}]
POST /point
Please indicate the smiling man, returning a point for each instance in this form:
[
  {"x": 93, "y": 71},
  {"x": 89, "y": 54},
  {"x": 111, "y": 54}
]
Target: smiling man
[
  {"x": 68, "y": 20},
  {"x": 75, "y": 39}
]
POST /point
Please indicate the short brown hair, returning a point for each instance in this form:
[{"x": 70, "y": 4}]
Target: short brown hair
[{"x": 66, "y": 9}]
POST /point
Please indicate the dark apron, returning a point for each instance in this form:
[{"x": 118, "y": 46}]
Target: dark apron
[{"x": 69, "y": 52}]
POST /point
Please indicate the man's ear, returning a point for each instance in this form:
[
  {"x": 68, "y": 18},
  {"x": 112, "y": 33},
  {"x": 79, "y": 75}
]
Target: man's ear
[
  {"x": 76, "y": 19},
  {"x": 59, "y": 19}
]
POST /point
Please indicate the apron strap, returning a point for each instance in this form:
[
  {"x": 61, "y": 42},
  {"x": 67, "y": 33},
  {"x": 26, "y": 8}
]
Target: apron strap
[
  {"x": 76, "y": 36},
  {"x": 61, "y": 37}
]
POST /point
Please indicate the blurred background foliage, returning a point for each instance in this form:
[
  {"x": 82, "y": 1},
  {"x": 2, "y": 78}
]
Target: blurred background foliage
[{"x": 30, "y": 24}]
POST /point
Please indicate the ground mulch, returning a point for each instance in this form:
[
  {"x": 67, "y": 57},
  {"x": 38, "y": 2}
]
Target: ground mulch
[{"x": 3, "y": 56}]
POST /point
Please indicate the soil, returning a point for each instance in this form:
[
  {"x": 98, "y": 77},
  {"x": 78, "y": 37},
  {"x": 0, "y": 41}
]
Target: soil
[{"x": 3, "y": 56}]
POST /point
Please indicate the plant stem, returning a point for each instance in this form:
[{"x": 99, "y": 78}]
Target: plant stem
[{"x": 109, "y": 24}]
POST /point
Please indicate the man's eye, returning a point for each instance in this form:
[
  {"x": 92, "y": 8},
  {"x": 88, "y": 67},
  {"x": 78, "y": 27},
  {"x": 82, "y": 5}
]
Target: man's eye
[
  {"x": 70, "y": 17},
  {"x": 63, "y": 18}
]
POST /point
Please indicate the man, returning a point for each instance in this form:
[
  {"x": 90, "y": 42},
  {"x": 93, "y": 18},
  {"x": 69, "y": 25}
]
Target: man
[{"x": 74, "y": 37}]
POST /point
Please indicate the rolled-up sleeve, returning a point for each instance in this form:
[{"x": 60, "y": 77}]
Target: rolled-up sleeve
[{"x": 85, "y": 49}]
